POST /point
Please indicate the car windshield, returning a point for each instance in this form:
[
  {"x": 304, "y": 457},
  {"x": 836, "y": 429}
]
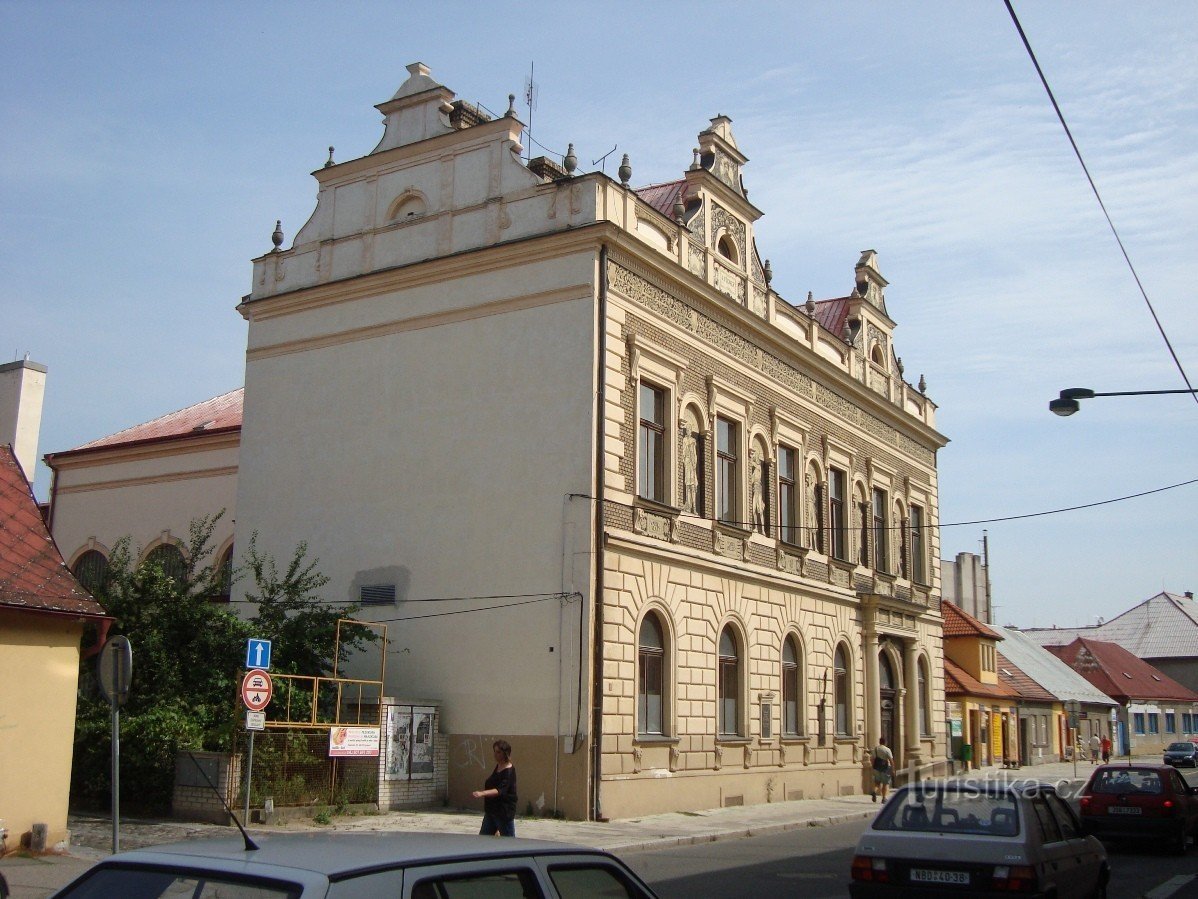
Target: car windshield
[
  {"x": 1180, "y": 747},
  {"x": 147, "y": 883},
  {"x": 948, "y": 810},
  {"x": 1127, "y": 780}
]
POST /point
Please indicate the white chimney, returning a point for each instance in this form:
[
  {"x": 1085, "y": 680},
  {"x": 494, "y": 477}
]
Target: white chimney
[{"x": 22, "y": 387}]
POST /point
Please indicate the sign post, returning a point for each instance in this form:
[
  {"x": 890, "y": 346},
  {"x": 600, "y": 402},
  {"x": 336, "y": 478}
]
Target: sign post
[
  {"x": 256, "y": 690},
  {"x": 115, "y": 670}
]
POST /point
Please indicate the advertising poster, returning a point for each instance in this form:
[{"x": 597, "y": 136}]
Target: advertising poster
[{"x": 353, "y": 742}]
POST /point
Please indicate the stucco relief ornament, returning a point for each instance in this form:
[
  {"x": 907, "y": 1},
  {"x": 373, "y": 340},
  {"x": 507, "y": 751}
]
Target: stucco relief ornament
[
  {"x": 719, "y": 756},
  {"x": 748, "y": 756},
  {"x": 637, "y": 756},
  {"x": 809, "y": 493},
  {"x": 675, "y": 756}
]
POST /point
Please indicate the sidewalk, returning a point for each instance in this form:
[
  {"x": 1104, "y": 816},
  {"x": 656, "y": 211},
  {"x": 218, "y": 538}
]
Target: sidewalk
[{"x": 91, "y": 836}]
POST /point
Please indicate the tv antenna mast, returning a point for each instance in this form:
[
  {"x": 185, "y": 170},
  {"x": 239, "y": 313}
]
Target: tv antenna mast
[{"x": 530, "y": 99}]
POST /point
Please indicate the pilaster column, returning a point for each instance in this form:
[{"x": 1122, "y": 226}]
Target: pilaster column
[
  {"x": 873, "y": 700},
  {"x": 912, "y": 702}
]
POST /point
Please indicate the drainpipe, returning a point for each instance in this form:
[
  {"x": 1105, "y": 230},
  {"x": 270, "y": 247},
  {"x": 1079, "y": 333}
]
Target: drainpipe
[{"x": 597, "y": 598}]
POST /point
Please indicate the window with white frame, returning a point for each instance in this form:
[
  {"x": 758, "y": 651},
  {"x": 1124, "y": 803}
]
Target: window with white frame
[
  {"x": 792, "y": 671},
  {"x": 918, "y": 566},
  {"x": 727, "y": 439},
  {"x": 1170, "y": 722},
  {"x": 651, "y": 443},
  {"x": 650, "y": 693},
  {"x": 729, "y": 684},
  {"x": 840, "y": 670},
  {"x": 881, "y": 532},
  {"x": 838, "y": 526},
  {"x": 788, "y": 495}
]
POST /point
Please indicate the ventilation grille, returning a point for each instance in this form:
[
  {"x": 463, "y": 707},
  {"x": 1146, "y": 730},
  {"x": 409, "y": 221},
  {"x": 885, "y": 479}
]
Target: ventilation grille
[{"x": 377, "y": 595}]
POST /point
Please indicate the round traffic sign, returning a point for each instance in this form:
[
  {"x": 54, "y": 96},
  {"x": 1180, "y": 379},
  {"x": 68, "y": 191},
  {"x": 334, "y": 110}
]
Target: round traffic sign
[
  {"x": 256, "y": 689},
  {"x": 115, "y": 670}
]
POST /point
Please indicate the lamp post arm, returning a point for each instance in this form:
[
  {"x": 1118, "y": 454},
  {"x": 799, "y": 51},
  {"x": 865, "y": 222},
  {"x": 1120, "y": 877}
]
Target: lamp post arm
[{"x": 1144, "y": 392}]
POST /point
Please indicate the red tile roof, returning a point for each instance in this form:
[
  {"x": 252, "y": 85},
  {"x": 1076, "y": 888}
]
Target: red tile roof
[
  {"x": 1119, "y": 674},
  {"x": 959, "y": 623},
  {"x": 221, "y": 413},
  {"x": 662, "y": 196},
  {"x": 33, "y": 576},
  {"x": 959, "y": 682},
  {"x": 1021, "y": 682}
]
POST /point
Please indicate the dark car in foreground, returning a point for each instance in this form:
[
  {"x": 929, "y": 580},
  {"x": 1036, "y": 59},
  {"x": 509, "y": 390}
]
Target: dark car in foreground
[
  {"x": 404, "y": 866},
  {"x": 1133, "y": 802},
  {"x": 1182, "y": 753},
  {"x": 977, "y": 839}
]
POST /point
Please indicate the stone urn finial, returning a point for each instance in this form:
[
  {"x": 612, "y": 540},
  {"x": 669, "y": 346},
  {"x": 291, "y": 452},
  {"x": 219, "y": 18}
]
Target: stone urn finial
[
  {"x": 511, "y": 106},
  {"x": 768, "y": 272},
  {"x": 277, "y": 237},
  {"x": 329, "y": 162},
  {"x": 570, "y": 161},
  {"x": 625, "y": 170}
]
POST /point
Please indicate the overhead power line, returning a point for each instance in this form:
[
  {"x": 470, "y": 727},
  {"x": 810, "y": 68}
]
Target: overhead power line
[{"x": 1094, "y": 187}]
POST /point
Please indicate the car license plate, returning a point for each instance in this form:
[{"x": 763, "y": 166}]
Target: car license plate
[
  {"x": 927, "y": 875},
  {"x": 1124, "y": 810}
]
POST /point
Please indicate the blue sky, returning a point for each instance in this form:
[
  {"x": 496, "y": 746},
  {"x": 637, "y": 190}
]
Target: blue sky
[{"x": 149, "y": 148}]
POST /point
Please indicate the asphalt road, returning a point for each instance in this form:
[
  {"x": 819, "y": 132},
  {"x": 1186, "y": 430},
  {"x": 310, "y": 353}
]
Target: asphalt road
[{"x": 814, "y": 863}]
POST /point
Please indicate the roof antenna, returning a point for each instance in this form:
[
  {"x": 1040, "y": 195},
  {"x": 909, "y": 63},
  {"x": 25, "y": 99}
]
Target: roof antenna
[
  {"x": 530, "y": 98},
  {"x": 602, "y": 160},
  {"x": 249, "y": 844}
]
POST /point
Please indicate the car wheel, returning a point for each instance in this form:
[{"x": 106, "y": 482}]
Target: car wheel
[{"x": 1104, "y": 877}]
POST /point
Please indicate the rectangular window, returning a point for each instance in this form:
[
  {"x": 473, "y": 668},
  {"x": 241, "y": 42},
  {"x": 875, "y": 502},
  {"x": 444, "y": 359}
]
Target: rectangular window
[
  {"x": 1170, "y": 722},
  {"x": 1154, "y": 723},
  {"x": 729, "y": 723},
  {"x": 837, "y": 514},
  {"x": 650, "y": 692},
  {"x": 727, "y": 471},
  {"x": 788, "y": 506},
  {"x": 918, "y": 574},
  {"x": 881, "y": 532},
  {"x": 1138, "y": 722},
  {"x": 651, "y": 444},
  {"x": 1187, "y": 726}
]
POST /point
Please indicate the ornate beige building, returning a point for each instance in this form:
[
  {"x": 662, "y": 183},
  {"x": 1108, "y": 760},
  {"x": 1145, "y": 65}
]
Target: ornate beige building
[{"x": 624, "y": 505}]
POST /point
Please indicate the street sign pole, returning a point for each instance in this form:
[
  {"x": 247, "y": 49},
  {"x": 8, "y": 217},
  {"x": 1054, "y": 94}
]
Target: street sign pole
[
  {"x": 115, "y": 670},
  {"x": 116, "y": 767},
  {"x": 249, "y": 770}
]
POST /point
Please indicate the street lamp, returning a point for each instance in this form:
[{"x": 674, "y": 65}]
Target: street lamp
[{"x": 1067, "y": 404}]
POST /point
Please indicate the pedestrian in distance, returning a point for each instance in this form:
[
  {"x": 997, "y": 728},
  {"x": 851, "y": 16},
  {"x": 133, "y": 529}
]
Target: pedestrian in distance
[
  {"x": 1106, "y": 749},
  {"x": 1095, "y": 748},
  {"x": 883, "y": 769},
  {"x": 499, "y": 794}
]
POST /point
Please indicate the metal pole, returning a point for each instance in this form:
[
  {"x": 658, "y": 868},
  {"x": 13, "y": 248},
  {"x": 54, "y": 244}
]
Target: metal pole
[
  {"x": 116, "y": 759},
  {"x": 249, "y": 771},
  {"x": 1074, "y": 753}
]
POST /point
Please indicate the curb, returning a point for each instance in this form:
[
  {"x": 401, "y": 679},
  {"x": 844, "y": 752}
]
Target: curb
[{"x": 736, "y": 834}]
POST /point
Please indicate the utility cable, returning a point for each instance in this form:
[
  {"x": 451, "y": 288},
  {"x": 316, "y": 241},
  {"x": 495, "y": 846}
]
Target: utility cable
[{"x": 1098, "y": 196}]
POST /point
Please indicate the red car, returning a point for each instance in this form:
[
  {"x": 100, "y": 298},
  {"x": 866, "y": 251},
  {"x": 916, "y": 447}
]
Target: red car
[{"x": 1140, "y": 802}]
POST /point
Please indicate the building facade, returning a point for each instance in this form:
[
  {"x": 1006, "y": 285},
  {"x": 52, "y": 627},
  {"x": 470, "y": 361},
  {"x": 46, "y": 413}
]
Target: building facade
[{"x": 621, "y": 504}]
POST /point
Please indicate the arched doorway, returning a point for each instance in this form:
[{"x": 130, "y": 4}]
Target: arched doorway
[{"x": 887, "y": 694}]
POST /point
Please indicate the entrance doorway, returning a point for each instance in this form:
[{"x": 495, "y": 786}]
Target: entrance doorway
[{"x": 886, "y": 700}]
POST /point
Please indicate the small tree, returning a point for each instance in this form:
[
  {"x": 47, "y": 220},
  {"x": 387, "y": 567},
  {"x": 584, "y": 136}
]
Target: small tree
[{"x": 188, "y": 653}]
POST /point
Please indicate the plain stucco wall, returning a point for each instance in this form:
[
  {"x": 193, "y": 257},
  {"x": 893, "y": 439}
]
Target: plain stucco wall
[{"x": 39, "y": 679}]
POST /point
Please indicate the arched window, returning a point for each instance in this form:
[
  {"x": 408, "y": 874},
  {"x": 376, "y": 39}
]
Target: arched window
[
  {"x": 840, "y": 670},
  {"x": 168, "y": 557},
  {"x": 792, "y": 671},
  {"x": 90, "y": 570},
  {"x": 729, "y": 684},
  {"x": 650, "y": 691},
  {"x": 726, "y": 247},
  {"x": 876, "y": 356},
  {"x": 924, "y": 698},
  {"x": 224, "y": 574}
]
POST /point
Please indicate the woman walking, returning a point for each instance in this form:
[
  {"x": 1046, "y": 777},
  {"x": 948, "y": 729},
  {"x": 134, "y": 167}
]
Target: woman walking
[{"x": 499, "y": 794}]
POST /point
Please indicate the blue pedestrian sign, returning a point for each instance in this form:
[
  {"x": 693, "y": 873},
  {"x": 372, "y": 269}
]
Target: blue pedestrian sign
[{"x": 257, "y": 654}]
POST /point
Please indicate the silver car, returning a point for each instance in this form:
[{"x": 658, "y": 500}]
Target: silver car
[
  {"x": 978, "y": 839},
  {"x": 404, "y": 866}
]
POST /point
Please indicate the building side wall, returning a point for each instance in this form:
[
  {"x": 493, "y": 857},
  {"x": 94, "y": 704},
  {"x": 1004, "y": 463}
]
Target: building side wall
[
  {"x": 38, "y": 724},
  {"x": 148, "y": 497},
  {"x": 441, "y": 442}
]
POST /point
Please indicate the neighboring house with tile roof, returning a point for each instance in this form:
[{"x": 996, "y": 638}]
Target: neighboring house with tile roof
[
  {"x": 1162, "y": 630},
  {"x": 1153, "y": 709},
  {"x": 1045, "y": 733},
  {"x": 982, "y": 711},
  {"x": 474, "y": 376},
  {"x": 148, "y": 482},
  {"x": 43, "y": 612}
]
